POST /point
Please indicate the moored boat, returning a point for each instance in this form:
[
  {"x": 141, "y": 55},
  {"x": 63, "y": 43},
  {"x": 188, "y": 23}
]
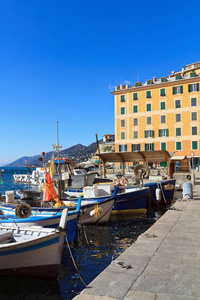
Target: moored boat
[{"x": 33, "y": 251}]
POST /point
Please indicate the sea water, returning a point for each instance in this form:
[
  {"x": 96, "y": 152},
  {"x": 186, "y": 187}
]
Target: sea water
[{"x": 93, "y": 250}]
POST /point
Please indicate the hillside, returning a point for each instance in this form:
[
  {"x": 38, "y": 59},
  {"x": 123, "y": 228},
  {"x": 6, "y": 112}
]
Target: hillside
[{"x": 77, "y": 153}]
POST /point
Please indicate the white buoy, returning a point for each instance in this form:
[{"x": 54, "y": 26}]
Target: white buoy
[
  {"x": 63, "y": 219},
  {"x": 158, "y": 194}
]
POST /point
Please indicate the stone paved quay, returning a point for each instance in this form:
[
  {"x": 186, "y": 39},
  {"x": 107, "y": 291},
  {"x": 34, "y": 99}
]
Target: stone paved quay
[{"x": 165, "y": 260}]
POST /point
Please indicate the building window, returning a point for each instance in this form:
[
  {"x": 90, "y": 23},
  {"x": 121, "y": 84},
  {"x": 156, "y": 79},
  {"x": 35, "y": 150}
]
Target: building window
[
  {"x": 163, "y": 146},
  {"x": 162, "y": 92},
  {"x": 194, "y": 116},
  {"x": 122, "y": 135},
  {"x": 162, "y": 105},
  {"x": 148, "y": 107},
  {"x": 148, "y": 133},
  {"x": 149, "y": 147},
  {"x": 193, "y": 87},
  {"x": 135, "y": 147},
  {"x": 148, "y": 82},
  {"x": 135, "y": 96},
  {"x": 122, "y": 110},
  {"x": 177, "y": 77},
  {"x": 122, "y": 148},
  {"x": 177, "y": 90},
  {"x": 122, "y": 98},
  {"x": 135, "y": 121},
  {"x": 162, "y": 119},
  {"x": 194, "y": 130},
  {"x": 194, "y": 145},
  {"x": 148, "y": 120},
  {"x": 148, "y": 94},
  {"x": 178, "y": 145},
  {"x": 178, "y": 118},
  {"x": 192, "y": 74},
  {"x": 177, "y": 103},
  {"x": 135, "y": 108},
  {"x": 122, "y": 123},
  {"x": 163, "y": 132},
  {"x": 193, "y": 101},
  {"x": 163, "y": 79},
  {"x": 178, "y": 131},
  {"x": 135, "y": 134}
]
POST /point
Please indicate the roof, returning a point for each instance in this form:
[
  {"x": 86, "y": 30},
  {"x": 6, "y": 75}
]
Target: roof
[{"x": 159, "y": 155}]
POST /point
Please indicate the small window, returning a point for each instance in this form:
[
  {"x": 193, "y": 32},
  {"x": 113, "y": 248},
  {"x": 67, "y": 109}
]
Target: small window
[
  {"x": 135, "y": 96},
  {"x": 193, "y": 87},
  {"x": 178, "y": 145},
  {"x": 163, "y": 119},
  {"x": 193, "y": 101},
  {"x": 135, "y": 147},
  {"x": 148, "y": 107},
  {"x": 178, "y": 131},
  {"x": 122, "y": 123},
  {"x": 177, "y": 103},
  {"x": 148, "y": 133},
  {"x": 177, "y": 77},
  {"x": 177, "y": 90},
  {"x": 163, "y": 146},
  {"x": 163, "y": 132},
  {"x": 194, "y": 145},
  {"x": 194, "y": 130},
  {"x": 192, "y": 74},
  {"x": 135, "y": 134},
  {"x": 162, "y": 105},
  {"x": 148, "y": 120},
  {"x": 122, "y": 110},
  {"x": 162, "y": 92},
  {"x": 122, "y": 135},
  {"x": 135, "y": 108},
  {"x": 135, "y": 121},
  {"x": 122, "y": 148},
  {"x": 122, "y": 98},
  {"x": 149, "y": 147},
  {"x": 148, "y": 94},
  {"x": 194, "y": 116},
  {"x": 178, "y": 117}
]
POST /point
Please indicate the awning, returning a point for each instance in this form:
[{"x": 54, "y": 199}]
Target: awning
[
  {"x": 178, "y": 157},
  {"x": 149, "y": 156}
]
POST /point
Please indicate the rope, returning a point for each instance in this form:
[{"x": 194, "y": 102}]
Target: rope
[{"x": 74, "y": 261}]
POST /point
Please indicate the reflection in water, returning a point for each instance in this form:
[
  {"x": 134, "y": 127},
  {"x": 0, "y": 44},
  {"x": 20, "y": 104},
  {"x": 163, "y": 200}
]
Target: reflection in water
[{"x": 96, "y": 246}]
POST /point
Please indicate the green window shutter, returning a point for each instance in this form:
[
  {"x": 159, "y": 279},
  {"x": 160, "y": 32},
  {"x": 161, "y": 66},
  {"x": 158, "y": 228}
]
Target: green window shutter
[
  {"x": 136, "y": 84},
  {"x": 159, "y": 132},
  {"x": 122, "y": 98},
  {"x": 173, "y": 90},
  {"x": 178, "y": 145},
  {"x": 197, "y": 87},
  {"x": 135, "y": 96},
  {"x": 122, "y": 110},
  {"x": 138, "y": 147},
  {"x": 181, "y": 89},
  {"x": 177, "y": 77},
  {"x": 149, "y": 107},
  {"x": 192, "y": 74},
  {"x": 152, "y": 146},
  {"x": 135, "y": 109},
  {"x": 163, "y": 146},
  {"x": 145, "y": 133},
  {"x": 148, "y": 94},
  {"x": 145, "y": 147},
  {"x": 162, "y": 92},
  {"x": 167, "y": 132},
  {"x": 162, "y": 105},
  {"x": 132, "y": 147},
  {"x": 120, "y": 148},
  {"x": 194, "y": 145},
  {"x": 125, "y": 147},
  {"x": 189, "y": 88}
]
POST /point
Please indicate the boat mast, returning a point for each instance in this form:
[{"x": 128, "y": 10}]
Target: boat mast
[{"x": 59, "y": 181}]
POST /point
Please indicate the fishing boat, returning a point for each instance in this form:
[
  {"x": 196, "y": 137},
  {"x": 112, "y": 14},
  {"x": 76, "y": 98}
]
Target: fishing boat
[
  {"x": 33, "y": 251},
  {"x": 22, "y": 215}
]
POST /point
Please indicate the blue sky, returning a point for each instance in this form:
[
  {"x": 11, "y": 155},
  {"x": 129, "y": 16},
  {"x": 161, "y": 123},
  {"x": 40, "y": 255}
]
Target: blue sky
[{"x": 60, "y": 60}]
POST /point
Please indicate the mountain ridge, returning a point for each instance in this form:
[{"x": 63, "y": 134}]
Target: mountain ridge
[{"x": 77, "y": 153}]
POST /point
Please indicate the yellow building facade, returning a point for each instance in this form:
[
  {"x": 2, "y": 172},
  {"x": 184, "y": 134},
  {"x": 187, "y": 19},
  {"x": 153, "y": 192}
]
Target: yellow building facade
[{"x": 160, "y": 114}]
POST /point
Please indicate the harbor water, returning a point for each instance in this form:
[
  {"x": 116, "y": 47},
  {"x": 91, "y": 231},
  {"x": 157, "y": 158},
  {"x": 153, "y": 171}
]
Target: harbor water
[{"x": 93, "y": 250}]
